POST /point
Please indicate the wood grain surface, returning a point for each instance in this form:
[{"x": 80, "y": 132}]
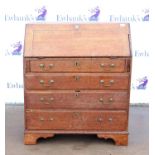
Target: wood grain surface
[{"x": 77, "y": 80}]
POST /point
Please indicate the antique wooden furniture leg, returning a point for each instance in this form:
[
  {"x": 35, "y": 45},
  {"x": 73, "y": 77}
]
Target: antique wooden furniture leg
[
  {"x": 119, "y": 139},
  {"x": 31, "y": 138}
]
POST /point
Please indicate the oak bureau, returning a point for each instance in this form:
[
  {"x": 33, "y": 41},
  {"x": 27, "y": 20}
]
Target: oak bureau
[{"x": 77, "y": 80}]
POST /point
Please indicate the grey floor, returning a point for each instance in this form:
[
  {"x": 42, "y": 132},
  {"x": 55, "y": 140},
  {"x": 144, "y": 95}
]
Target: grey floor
[{"x": 77, "y": 144}]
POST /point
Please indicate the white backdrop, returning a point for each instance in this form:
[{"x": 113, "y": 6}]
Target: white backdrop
[{"x": 14, "y": 16}]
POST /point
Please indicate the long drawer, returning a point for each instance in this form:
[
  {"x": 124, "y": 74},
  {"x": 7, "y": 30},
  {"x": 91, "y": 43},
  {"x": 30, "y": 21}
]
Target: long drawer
[
  {"x": 62, "y": 99},
  {"x": 76, "y": 81},
  {"x": 77, "y": 120},
  {"x": 78, "y": 65}
]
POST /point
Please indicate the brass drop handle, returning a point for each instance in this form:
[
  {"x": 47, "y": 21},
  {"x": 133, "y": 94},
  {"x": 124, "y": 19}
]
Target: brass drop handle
[
  {"x": 99, "y": 119},
  {"x": 111, "y": 99},
  {"x": 41, "y": 119},
  {"x": 51, "y": 119},
  {"x": 42, "y": 99},
  {"x": 77, "y": 27},
  {"x": 106, "y": 102},
  {"x": 102, "y": 81},
  {"x": 51, "y": 66},
  {"x": 41, "y": 81},
  {"x": 101, "y": 100},
  {"x": 51, "y": 99},
  {"x": 102, "y": 65},
  {"x": 42, "y": 66},
  {"x": 110, "y": 119},
  {"x": 51, "y": 81},
  {"x": 112, "y": 65},
  {"x": 111, "y": 82}
]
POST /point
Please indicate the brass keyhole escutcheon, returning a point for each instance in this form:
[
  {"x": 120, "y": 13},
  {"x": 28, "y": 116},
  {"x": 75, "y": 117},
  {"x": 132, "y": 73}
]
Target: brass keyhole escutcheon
[
  {"x": 76, "y": 94},
  {"x": 77, "y": 63},
  {"x": 77, "y": 78}
]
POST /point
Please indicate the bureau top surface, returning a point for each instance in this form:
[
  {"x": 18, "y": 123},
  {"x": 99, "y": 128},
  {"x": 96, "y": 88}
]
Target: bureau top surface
[{"x": 77, "y": 40}]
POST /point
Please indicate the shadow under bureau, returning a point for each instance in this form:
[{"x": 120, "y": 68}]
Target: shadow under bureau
[{"x": 77, "y": 80}]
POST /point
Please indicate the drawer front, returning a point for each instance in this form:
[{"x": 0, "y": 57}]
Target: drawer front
[
  {"x": 78, "y": 65},
  {"x": 77, "y": 120},
  {"x": 108, "y": 65},
  {"x": 77, "y": 100},
  {"x": 61, "y": 65},
  {"x": 76, "y": 81},
  {"x": 110, "y": 81}
]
